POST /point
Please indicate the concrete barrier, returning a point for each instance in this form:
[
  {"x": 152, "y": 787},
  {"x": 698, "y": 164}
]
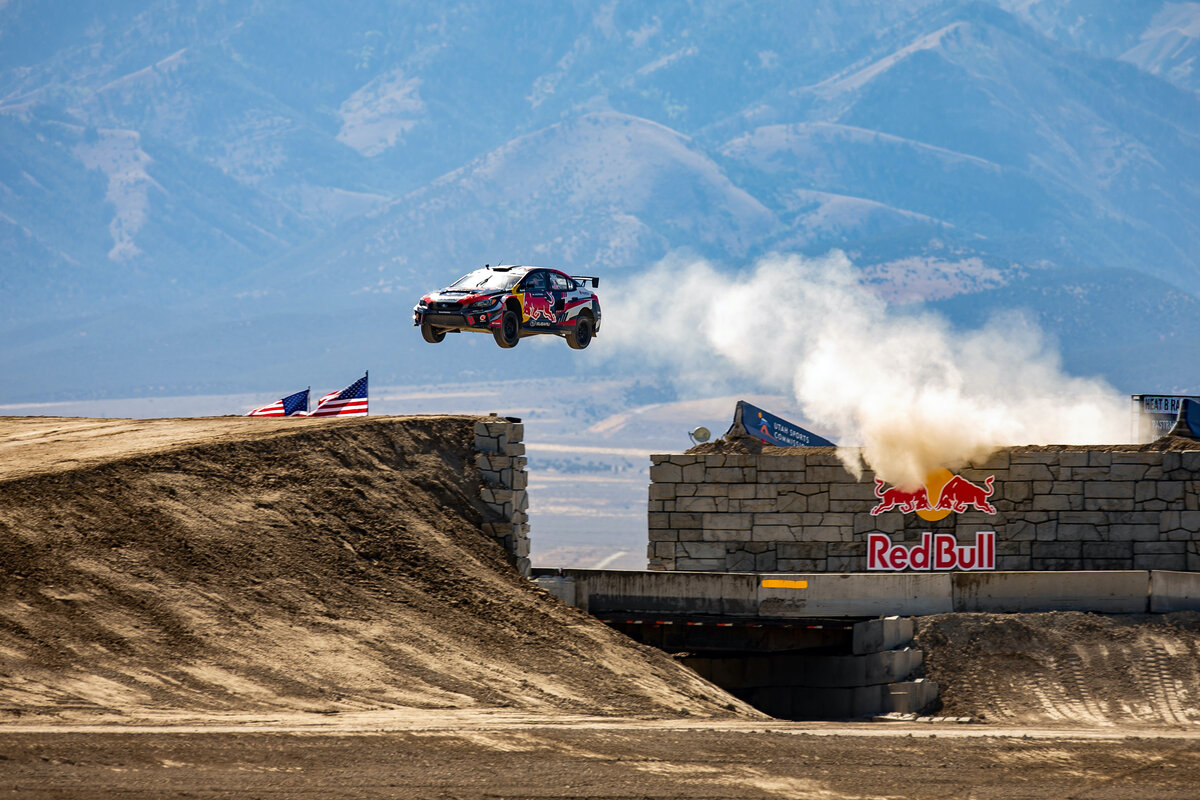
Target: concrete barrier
[
  {"x": 1113, "y": 592},
  {"x": 908, "y": 697},
  {"x": 562, "y": 588},
  {"x": 910, "y": 594},
  {"x": 868, "y": 673},
  {"x": 877, "y": 635},
  {"x": 703, "y": 593},
  {"x": 870, "y": 669},
  {"x": 844, "y": 703},
  {"x": 905, "y": 594},
  {"x": 1174, "y": 591}
]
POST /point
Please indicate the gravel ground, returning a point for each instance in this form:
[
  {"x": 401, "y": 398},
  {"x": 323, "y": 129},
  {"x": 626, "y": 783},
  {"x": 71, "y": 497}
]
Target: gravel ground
[{"x": 614, "y": 759}]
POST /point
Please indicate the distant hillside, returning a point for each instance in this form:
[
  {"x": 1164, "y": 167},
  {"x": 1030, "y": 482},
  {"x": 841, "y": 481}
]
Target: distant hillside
[{"x": 172, "y": 173}]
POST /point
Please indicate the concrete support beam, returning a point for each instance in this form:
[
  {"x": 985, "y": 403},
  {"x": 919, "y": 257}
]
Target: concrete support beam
[
  {"x": 707, "y": 593},
  {"x": 857, "y": 595},
  {"x": 743, "y": 595},
  {"x": 1114, "y": 592}
]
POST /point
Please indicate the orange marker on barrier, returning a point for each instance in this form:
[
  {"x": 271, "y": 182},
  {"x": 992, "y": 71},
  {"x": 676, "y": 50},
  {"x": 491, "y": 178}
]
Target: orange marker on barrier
[{"x": 772, "y": 583}]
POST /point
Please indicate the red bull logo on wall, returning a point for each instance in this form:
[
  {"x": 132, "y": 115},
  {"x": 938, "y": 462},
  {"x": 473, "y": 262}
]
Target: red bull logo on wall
[
  {"x": 936, "y": 551},
  {"x": 944, "y": 493}
]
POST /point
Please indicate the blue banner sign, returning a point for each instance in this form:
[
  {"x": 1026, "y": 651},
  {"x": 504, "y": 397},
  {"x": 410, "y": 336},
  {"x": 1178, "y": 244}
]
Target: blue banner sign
[
  {"x": 1188, "y": 423},
  {"x": 752, "y": 421},
  {"x": 1155, "y": 414}
]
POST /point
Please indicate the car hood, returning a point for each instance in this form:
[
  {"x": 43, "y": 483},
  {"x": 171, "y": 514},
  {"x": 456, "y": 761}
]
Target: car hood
[{"x": 461, "y": 296}]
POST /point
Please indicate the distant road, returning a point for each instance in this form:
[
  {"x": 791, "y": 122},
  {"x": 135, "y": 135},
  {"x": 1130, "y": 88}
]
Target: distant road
[
  {"x": 631, "y": 452},
  {"x": 604, "y": 562}
]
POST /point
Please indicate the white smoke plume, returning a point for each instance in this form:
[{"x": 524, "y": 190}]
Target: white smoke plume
[{"x": 914, "y": 394}]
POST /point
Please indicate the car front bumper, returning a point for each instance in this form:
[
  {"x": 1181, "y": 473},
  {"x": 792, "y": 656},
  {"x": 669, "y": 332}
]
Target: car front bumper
[{"x": 467, "y": 320}]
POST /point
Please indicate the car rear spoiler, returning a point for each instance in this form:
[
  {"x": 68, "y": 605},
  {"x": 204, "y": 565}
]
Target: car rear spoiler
[{"x": 588, "y": 279}]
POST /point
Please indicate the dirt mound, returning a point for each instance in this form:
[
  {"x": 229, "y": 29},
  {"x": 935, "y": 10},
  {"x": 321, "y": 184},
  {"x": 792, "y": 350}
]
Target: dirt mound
[
  {"x": 151, "y": 568},
  {"x": 1173, "y": 443},
  {"x": 1066, "y": 667}
]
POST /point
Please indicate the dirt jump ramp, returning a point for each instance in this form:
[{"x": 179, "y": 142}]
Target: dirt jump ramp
[
  {"x": 1066, "y": 668},
  {"x": 222, "y": 565}
]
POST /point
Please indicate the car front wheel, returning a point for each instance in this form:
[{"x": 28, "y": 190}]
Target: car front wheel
[
  {"x": 431, "y": 334},
  {"x": 581, "y": 336},
  {"x": 509, "y": 332}
]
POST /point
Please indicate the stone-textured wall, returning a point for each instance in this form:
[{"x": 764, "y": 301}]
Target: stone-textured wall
[
  {"x": 500, "y": 457},
  {"x": 1058, "y": 508}
]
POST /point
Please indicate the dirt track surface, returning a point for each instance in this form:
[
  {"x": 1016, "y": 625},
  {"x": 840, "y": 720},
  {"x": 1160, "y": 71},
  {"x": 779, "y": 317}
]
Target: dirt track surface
[
  {"x": 43, "y": 445},
  {"x": 150, "y": 568},
  {"x": 583, "y": 758}
]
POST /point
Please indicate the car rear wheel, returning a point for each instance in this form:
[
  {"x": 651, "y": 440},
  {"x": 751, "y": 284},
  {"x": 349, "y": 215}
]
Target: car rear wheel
[
  {"x": 431, "y": 334},
  {"x": 509, "y": 332},
  {"x": 581, "y": 335}
]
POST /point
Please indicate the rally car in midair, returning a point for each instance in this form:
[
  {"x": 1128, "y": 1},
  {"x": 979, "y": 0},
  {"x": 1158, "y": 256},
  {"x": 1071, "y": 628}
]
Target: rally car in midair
[{"x": 511, "y": 303}]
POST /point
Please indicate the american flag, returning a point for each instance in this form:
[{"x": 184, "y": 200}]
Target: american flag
[
  {"x": 351, "y": 400},
  {"x": 294, "y": 405}
]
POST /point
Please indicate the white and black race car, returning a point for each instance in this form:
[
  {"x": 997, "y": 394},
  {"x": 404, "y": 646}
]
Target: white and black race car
[{"x": 511, "y": 303}]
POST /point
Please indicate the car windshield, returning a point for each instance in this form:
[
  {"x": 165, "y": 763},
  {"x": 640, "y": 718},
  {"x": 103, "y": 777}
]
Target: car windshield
[{"x": 487, "y": 279}]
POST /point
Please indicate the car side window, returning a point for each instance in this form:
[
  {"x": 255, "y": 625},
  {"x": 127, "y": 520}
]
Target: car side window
[
  {"x": 560, "y": 282},
  {"x": 535, "y": 282}
]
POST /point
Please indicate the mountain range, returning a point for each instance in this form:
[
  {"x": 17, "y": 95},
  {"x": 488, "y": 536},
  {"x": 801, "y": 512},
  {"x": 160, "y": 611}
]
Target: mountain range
[{"x": 210, "y": 197}]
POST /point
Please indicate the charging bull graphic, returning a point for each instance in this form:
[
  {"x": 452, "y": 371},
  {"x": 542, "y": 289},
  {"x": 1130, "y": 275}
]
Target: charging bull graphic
[
  {"x": 539, "y": 307},
  {"x": 960, "y": 494},
  {"x": 896, "y": 497},
  {"x": 943, "y": 494}
]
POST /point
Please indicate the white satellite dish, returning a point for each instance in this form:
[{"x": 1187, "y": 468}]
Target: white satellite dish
[{"x": 699, "y": 435}]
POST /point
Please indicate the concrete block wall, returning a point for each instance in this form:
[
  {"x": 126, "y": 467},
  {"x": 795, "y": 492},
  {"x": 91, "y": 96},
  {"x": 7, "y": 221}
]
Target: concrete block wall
[
  {"x": 1058, "y": 508},
  {"x": 876, "y": 678},
  {"x": 500, "y": 457}
]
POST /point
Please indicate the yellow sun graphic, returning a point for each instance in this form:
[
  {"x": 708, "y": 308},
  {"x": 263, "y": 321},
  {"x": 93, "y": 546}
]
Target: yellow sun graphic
[{"x": 934, "y": 483}]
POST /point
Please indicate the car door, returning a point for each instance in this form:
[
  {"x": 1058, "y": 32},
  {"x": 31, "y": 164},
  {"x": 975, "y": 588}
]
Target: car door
[
  {"x": 560, "y": 289},
  {"x": 537, "y": 301}
]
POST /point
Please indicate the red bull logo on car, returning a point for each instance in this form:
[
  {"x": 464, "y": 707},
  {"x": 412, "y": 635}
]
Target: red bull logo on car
[
  {"x": 936, "y": 551},
  {"x": 538, "y": 307},
  {"x": 944, "y": 493}
]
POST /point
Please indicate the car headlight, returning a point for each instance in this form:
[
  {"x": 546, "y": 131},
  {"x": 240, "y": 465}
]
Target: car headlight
[{"x": 480, "y": 305}]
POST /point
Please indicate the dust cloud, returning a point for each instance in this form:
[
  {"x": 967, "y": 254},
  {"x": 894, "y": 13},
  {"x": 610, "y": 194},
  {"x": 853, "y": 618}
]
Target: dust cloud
[{"x": 900, "y": 389}]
